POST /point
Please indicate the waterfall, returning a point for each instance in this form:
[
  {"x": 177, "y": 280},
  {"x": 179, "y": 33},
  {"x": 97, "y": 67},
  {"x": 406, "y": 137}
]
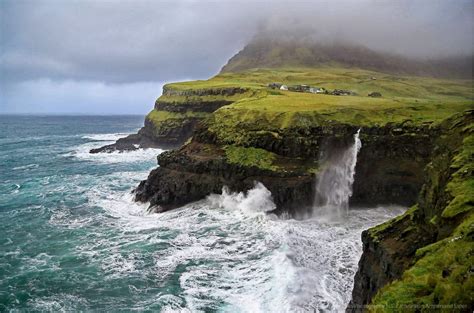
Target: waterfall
[{"x": 334, "y": 182}]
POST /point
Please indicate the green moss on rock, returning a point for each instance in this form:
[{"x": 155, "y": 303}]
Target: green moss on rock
[
  {"x": 441, "y": 272},
  {"x": 249, "y": 157}
]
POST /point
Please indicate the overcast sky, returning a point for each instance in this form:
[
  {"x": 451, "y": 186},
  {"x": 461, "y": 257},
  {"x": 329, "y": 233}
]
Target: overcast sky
[{"x": 112, "y": 57}]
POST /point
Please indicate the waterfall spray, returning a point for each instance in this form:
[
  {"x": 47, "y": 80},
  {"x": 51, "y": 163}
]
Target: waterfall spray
[{"x": 334, "y": 182}]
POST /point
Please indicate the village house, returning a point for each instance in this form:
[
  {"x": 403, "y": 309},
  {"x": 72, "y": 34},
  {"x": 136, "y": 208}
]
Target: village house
[
  {"x": 307, "y": 88},
  {"x": 317, "y": 90}
]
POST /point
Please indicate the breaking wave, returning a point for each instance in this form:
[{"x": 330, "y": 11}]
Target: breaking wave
[{"x": 232, "y": 256}]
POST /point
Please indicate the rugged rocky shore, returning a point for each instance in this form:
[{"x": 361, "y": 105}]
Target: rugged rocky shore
[
  {"x": 417, "y": 150},
  {"x": 414, "y": 259},
  {"x": 409, "y": 156}
]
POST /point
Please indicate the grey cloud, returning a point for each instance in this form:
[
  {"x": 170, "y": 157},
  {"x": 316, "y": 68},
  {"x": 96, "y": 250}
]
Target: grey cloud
[{"x": 130, "y": 41}]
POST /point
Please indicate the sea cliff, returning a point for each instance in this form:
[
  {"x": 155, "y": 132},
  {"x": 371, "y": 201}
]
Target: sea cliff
[
  {"x": 412, "y": 143},
  {"x": 268, "y": 125}
]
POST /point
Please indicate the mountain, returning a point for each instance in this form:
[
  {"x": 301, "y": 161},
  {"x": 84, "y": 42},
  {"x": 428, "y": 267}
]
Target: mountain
[{"x": 264, "y": 52}]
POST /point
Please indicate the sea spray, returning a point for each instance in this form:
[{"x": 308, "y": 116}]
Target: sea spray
[
  {"x": 334, "y": 183},
  {"x": 70, "y": 225},
  {"x": 257, "y": 199}
]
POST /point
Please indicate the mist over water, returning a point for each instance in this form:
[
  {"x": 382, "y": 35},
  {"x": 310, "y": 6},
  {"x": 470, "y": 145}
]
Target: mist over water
[
  {"x": 73, "y": 239},
  {"x": 334, "y": 182}
]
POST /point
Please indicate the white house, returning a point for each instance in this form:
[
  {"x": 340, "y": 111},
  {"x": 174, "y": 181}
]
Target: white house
[
  {"x": 316, "y": 90},
  {"x": 283, "y": 87}
]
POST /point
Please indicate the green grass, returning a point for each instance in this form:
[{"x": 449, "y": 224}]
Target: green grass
[
  {"x": 461, "y": 187},
  {"x": 215, "y": 83},
  {"x": 354, "y": 79},
  {"x": 418, "y": 99}
]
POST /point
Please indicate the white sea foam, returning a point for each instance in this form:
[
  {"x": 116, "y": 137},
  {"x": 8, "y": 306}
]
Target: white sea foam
[
  {"x": 235, "y": 254},
  {"x": 225, "y": 250},
  {"x": 59, "y": 303},
  {"x": 105, "y": 137},
  {"x": 258, "y": 199},
  {"x": 26, "y": 167}
]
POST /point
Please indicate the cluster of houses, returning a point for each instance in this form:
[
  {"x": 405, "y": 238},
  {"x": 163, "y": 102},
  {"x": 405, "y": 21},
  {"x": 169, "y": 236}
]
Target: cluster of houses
[
  {"x": 297, "y": 88},
  {"x": 320, "y": 90}
]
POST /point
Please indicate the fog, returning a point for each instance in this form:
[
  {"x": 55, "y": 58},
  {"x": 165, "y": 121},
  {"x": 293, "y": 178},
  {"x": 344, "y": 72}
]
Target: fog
[{"x": 54, "y": 54}]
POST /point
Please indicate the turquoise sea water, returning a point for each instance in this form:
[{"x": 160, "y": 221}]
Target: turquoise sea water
[{"x": 71, "y": 237}]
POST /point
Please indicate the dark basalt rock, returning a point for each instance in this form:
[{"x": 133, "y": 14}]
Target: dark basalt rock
[
  {"x": 147, "y": 138},
  {"x": 184, "y": 177},
  {"x": 385, "y": 259},
  {"x": 225, "y": 91},
  {"x": 389, "y": 168},
  {"x": 200, "y": 106}
]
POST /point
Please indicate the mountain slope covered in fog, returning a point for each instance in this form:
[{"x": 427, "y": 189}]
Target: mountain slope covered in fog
[{"x": 274, "y": 52}]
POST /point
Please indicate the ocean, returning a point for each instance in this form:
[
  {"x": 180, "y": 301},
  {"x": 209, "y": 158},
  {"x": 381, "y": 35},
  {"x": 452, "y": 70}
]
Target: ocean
[{"x": 73, "y": 239}]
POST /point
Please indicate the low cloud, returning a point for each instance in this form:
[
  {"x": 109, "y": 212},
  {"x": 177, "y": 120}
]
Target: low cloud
[{"x": 136, "y": 42}]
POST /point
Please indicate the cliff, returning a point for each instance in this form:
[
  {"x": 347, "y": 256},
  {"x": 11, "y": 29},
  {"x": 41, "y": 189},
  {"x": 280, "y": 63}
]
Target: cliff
[
  {"x": 424, "y": 258},
  {"x": 175, "y": 115},
  {"x": 414, "y": 152},
  {"x": 278, "y": 137},
  {"x": 343, "y": 66}
]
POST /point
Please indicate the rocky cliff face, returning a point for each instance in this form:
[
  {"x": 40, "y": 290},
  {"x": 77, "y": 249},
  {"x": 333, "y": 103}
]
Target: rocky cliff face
[
  {"x": 425, "y": 256},
  {"x": 175, "y": 116},
  {"x": 390, "y": 165},
  {"x": 391, "y": 162},
  {"x": 201, "y": 168}
]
